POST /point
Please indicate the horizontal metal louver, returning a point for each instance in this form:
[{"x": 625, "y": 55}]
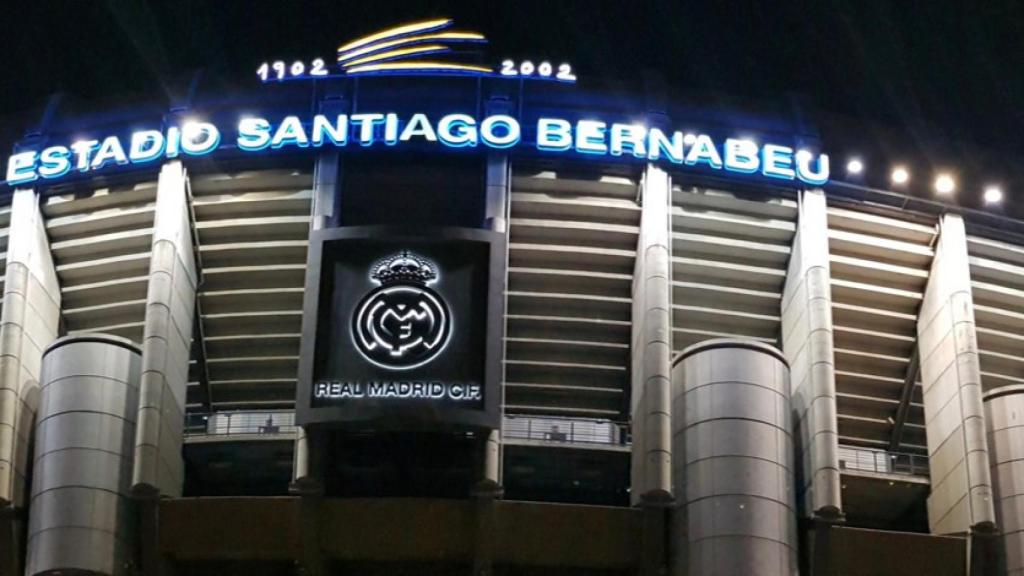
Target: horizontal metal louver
[
  {"x": 253, "y": 230},
  {"x": 572, "y": 249},
  {"x": 729, "y": 259},
  {"x": 101, "y": 241},
  {"x": 880, "y": 267},
  {"x": 997, "y": 285}
]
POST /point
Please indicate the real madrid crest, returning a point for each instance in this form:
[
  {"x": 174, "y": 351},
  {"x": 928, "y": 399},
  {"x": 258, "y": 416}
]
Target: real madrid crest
[{"x": 402, "y": 323}]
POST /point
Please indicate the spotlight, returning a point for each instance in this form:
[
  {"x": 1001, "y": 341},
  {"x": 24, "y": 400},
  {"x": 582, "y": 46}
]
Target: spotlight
[
  {"x": 993, "y": 195},
  {"x": 854, "y": 166},
  {"x": 900, "y": 175},
  {"x": 944, "y": 184}
]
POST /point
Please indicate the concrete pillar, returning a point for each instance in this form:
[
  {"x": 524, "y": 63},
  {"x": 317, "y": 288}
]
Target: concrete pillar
[
  {"x": 499, "y": 180},
  {"x": 651, "y": 470},
  {"x": 28, "y": 323},
  {"x": 733, "y": 461},
  {"x": 81, "y": 518},
  {"x": 326, "y": 179},
  {"x": 961, "y": 497},
  {"x": 167, "y": 336},
  {"x": 498, "y": 193},
  {"x": 807, "y": 341},
  {"x": 1004, "y": 415}
]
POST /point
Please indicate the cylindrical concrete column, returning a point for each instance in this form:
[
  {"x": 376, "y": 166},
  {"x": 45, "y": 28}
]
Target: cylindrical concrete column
[
  {"x": 733, "y": 461},
  {"x": 80, "y": 514},
  {"x": 1004, "y": 415}
]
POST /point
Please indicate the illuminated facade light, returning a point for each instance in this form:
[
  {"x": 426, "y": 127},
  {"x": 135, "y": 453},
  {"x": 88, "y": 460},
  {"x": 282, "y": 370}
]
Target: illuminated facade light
[
  {"x": 900, "y": 175},
  {"x": 944, "y": 184},
  {"x": 854, "y": 166},
  {"x": 397, "y": 31},
  {"x": 422, "y": 66},
  {"x": 438, "y": 37},
  {"x": 993, "y": 195},
  {"x": 399, "y": 53}
]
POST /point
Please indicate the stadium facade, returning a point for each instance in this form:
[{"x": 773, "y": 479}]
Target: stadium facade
[{"x": 434, "y": 317}]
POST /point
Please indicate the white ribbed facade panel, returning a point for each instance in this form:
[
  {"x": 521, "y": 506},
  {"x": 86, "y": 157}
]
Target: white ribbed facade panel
[
  {"x": 729, "y": 257},
  {"x": 572, "y": 248},
  {"x": 253, "y": 230},
  {"x": 101, "y": 241},
  {"x": 997, "y": 285},
  {"x": 879, "y": 271}
]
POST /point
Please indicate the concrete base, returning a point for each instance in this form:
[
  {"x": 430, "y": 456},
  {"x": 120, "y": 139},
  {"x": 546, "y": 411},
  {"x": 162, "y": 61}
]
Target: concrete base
[
  {"x": 12, "y": 541},
  {"x": 421, "y": 536},
  {"x": 842, "y": 551}
]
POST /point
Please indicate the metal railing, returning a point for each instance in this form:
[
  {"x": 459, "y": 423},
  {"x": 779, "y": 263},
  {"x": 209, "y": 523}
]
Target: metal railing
[
  {"x": 233, "y": 423},
  {"x": 538, "y": 428},
  {"x": 881, "y": 461},
  {"x": 562, "y": 430}
]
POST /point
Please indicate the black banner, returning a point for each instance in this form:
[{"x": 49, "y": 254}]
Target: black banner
[{"x": 402, "y": 329}]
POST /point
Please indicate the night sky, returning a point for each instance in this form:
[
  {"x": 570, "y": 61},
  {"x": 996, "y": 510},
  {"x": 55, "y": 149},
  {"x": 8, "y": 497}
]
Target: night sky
[{"x": 933, "y": 84}]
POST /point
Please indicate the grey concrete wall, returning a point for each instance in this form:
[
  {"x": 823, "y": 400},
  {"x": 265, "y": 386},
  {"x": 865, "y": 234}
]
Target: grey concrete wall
[
  {"x": 1004, "y": 415},
  {"x": 652, "y": 345},
  {"x": 807, "y": 341},
  {"x": 28, "y": 323},
  {"x": 167, "y": 337},
  {"x": 80, "y": 515},
  {"x": 733, "y": 462},
  {"x": 961, "y": 498}
]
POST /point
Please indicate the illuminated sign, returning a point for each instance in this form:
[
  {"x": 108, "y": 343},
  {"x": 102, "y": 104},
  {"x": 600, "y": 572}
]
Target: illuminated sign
[
  {"x": 402, "y": 324},
  {"x": 402, "y": 327},
  {"x": 432, "y": 48},
  {"x": 593, "y": 137},
  {"x": 429, "y": 47},
  {"x": 404, "y": 390}
]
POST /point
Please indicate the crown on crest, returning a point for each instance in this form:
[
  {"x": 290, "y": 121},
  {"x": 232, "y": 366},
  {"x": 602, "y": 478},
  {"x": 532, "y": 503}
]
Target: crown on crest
[{"x": 403, "y": 267}]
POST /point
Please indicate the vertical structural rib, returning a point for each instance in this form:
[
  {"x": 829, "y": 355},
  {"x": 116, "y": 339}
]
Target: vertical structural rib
[
  {"x": 324, "y": 214},
  {"x": 807, "y": 341},
  {"x": 167, "y": 333},
  {"x": 496, "y": 218},
  {"x": 29, "y": 322},
  {"x": 961, "y": 498},
  {"x": 652, "y": 346}
]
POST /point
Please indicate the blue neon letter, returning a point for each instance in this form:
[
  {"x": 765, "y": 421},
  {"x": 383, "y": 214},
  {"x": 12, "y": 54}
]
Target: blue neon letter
[
  {"x": 741, "y": 156},
  {"x": 337, "y": 134},
  {"x": 657, "y": 143},
  {"x": 628, "y": 136},
  {"x": 147, "y": 145},
  {"x": 290, "y": 131},
  {"x": 55, "y": 162},
  {"x": 457, "y": 130},
  {"x": 508, "y": 124},
  {"x": 704, "y": 151},
  {"x": 590, "y": 136},
  {"x": 366, "y": 123},
  {"x": 253, "y": 134},
  {"x": 553, "y": 134},
  {"x": 21, "y": 168},
  {"x": 777, "y": 161},
  {"x": 806, "y": 173},
  {"x": 110, "y": 150}
]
